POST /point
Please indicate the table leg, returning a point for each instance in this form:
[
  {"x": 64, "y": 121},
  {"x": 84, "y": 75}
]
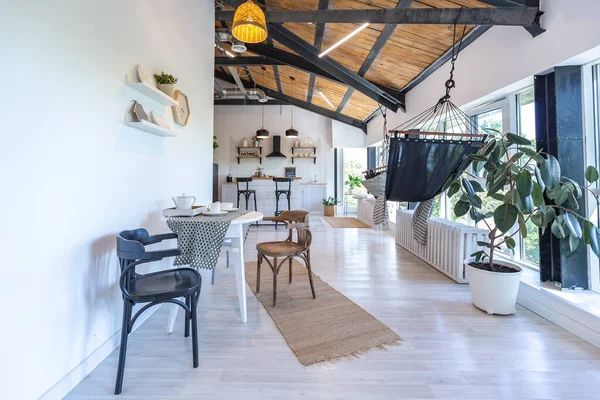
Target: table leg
[{"x": 240, "y": 271}]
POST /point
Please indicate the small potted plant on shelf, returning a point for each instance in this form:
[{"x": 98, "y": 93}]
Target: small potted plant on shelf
[
  {"x": 352, "y": 182},
  {"x": 215, "y": 143},
  {"x": 256, "y": 141},
  {"x": 166, "y": 83},
  {"x": 527, "y": 185},
  {"x": 259, "y": 172},
  {"x": 330, "y": 204}
]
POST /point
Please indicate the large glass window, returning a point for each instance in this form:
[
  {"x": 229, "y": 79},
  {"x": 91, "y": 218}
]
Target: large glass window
[
  {"x": 593, "y": 158},
  {"x": 354, "y": 164},
  {"x": 529, "y": 246}
]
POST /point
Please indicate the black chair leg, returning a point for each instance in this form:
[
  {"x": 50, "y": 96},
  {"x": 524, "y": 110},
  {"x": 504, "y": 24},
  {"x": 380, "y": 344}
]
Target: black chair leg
[
  {"x": 255, "y": 207},
  {"x": 289, "y": 204},
  {"x": 187, "y": 317},
  {"x": 123, "y": 350},
  {"x": 194, "y": 297}
]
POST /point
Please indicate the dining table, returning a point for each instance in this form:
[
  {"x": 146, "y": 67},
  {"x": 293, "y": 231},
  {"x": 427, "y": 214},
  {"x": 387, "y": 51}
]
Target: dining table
[{"x": 234, "y": 237}]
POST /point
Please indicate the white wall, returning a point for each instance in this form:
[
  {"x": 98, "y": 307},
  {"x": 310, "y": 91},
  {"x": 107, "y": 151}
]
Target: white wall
[
  {"x": 234, "y": 123},
  {"x": 504, "y": 56},
  {"x": 73, "y": 175},
  {"x": 346, "y": 136}
]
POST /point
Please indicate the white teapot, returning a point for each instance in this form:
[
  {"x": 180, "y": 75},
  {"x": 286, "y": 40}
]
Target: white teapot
[{"x": 184, "y": 202}]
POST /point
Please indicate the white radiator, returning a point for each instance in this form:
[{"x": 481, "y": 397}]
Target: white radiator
[{"x": 448, "y": 243}]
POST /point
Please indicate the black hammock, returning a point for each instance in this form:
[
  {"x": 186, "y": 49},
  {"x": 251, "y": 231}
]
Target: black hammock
[{"x": 418, "y": 168}]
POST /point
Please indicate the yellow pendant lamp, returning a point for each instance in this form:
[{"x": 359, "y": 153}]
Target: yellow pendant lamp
[{"x": 249, "y": 23}]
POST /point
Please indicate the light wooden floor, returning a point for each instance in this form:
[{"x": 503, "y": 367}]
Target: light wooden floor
[{"x": 451, "y": 350}]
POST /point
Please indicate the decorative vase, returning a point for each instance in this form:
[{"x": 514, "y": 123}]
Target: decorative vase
[
  {"x": 245, "y": 142},
  {"x": 167, "y": 88},
  {"x": 351, "y": 190},
  {"x": 256, "y": 143},
  {"x": 494, "y": 292}
]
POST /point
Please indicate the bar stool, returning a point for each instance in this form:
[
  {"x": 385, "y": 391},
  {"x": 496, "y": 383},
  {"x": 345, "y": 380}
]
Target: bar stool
[
  {"x": 280, "y": 192},
  {"x": 247, "y": 192}
]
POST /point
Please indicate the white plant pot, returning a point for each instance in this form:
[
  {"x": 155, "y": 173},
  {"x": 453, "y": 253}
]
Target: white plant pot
[
  {"x": 167, "y": 88},
  {"x": 494, "y": 292}
]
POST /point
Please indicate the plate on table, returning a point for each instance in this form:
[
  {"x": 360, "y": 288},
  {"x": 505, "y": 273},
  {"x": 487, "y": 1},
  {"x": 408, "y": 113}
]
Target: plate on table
[
  {"x": 233, "y": 210},
  {"x": 214, "y": 214}
]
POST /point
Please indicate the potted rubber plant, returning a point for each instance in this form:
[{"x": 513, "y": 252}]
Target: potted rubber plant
[
  {"x": 352, "y": 182},
  {"x": 166, "y": 83},
  {"x": 330, "y": 204},
  {"x": 527, "y": 185}
]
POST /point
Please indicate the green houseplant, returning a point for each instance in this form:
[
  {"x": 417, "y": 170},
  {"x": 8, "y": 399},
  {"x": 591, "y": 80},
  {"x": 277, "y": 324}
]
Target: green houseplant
[
  {"x": 330, "y": 204},
  {"x": 526, "y": 185},
  {"x": 166, "y": 83},
  {"x": 352, "y": 182},
  {"x": 256, "y": 141},
  {"x": 215, "y": 143}
]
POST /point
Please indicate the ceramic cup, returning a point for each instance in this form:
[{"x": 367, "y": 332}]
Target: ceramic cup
[
  {"x": 215, "y": 207},
  {"x": 226, "y": 206}
]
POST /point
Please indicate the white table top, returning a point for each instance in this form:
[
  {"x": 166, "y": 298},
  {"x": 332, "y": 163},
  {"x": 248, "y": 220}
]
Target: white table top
[{"x": 252, "y": 216}]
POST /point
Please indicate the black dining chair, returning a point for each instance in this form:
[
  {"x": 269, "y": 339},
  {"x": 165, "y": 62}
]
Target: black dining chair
[{"x": 153, "y": 288}]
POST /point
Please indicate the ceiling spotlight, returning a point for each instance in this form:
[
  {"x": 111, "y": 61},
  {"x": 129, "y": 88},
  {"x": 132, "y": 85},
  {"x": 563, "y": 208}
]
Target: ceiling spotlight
[{"x": 354, "y": 32}]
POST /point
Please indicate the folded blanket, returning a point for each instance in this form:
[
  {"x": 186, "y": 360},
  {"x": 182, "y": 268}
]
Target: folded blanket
[{"x": 420, "y": 219}]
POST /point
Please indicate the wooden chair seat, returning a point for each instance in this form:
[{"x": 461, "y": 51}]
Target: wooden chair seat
[{"x": 279, "y": 249}]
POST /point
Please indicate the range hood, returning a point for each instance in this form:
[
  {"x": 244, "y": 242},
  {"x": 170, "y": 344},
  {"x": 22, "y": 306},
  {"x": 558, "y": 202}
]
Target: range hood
[{"x": 276, "y": 148}]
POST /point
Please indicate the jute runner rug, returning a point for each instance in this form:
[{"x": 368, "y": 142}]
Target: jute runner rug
[
  {"x": 322, "y": 329},
  {"x": 345, "y": 222}
]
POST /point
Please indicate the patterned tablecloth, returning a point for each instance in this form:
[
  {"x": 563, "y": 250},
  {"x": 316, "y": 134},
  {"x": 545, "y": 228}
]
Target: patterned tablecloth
[{"x": 200, "y": 238}]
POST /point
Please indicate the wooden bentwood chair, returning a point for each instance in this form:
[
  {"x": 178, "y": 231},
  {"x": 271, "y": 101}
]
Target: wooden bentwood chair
[{"x": 288, "y": 249}]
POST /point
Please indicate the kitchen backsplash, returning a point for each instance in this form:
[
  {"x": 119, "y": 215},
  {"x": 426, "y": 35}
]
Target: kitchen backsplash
[{"x": 305, "y": 168}]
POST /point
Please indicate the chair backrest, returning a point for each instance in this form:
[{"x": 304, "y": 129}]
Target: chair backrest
[
  {"x": 283, "y": 180},
  {"x": 242, "y": 180},
  {"x": 129, "y": 244},
  {"x": 303, "y": 234},
  {"x": 291, "y": 216}
]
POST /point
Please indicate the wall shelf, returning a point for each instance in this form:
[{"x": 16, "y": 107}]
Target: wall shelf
[
  {"x": 250, "y": 157},
  {"x": 152, "y": 128},
  {"x": 311, "y": 157},
  {"x": 148, "y": 126},
  {"x": 250, "y": 147},
  {"x": 150, "y": 92}
]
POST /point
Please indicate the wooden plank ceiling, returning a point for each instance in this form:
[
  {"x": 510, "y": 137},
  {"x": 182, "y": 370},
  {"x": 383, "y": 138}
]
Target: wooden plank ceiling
[{"x": 409, "y": 51}]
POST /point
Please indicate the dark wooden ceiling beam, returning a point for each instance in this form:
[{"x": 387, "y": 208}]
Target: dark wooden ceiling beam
[
  {"x": 534, "y": 29},
  {"x": 274, "y": 56},
  {"x": 508, "y": 16},
  {"x": 307, "y": 51},
  {"x": 319, "y": 32},
  {"x": 299, "y": 103},
  {"x": 387, "y": 31},
  {"x": 244, "y": 102},
  {"x": 263, "y": 4}
]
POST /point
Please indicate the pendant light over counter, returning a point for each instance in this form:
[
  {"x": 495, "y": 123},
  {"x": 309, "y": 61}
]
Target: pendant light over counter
[
  {"x": 292, "y": 133},
  {"x": 262, "y": 133},
  {"x": 249, "y": 23}
]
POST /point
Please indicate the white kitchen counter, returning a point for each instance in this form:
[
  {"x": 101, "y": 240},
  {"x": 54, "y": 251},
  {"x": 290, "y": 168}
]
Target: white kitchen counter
[{"x": 304, "y": 196}]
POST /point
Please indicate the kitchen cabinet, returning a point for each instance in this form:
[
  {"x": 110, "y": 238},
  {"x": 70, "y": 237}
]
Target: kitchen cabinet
[{"x": 312, "y": 197}]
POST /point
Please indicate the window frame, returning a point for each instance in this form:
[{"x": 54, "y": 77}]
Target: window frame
[
  {"x": 509, "y": 107},
  {"x": 591, "y": 98}
]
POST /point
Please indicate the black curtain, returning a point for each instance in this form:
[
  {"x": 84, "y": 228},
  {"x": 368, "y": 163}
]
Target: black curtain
[{"x": 418, "y": 168}]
